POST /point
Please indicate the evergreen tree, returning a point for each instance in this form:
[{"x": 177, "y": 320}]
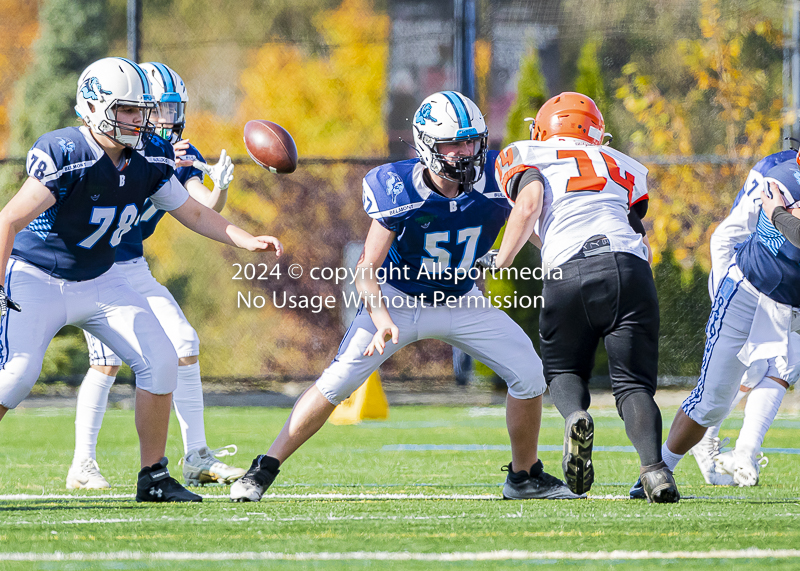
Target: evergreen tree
[
  {"x": 590, "y": 79},
  {"x": 73, "y": 35},
  {"x": 531, "y": 95}
]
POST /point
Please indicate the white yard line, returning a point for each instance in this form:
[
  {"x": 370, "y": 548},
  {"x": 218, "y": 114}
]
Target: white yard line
[
  {"x": 367, "y": 496},
  {"x": 503, "y": 555}
]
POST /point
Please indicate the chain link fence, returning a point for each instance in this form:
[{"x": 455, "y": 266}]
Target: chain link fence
[{"x": 344, "y": 76}]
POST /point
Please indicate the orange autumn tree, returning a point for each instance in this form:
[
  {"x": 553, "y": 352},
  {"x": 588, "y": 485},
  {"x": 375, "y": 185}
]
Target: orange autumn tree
[
  {"x": 727, "y": 105},
  {"x": 18, "y": 29},
  {"x": 332, "y": 103}
]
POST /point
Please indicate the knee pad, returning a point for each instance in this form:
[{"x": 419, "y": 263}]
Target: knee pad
[
  {"x": 16, "y": 381},
  {"x": 158, "y": 372}
]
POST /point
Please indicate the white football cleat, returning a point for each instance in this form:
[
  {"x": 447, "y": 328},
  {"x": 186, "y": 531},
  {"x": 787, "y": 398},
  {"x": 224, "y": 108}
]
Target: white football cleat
[
  {"x": 705, "y": 453},
  {"x": 203, "y": 466},
  {"x": 86, "y": 476},
  {"x": 748, "y": 467}
]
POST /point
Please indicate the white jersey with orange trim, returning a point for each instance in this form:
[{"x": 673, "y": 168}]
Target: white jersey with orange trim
[{"x": 588, "y": 192}]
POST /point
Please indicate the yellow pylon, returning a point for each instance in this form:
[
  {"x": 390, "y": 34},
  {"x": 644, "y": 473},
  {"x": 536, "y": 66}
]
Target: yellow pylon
[{"x": 368, "y": 402}]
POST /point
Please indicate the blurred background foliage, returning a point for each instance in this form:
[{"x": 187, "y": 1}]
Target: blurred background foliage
[{"x": 692, "y": 89}]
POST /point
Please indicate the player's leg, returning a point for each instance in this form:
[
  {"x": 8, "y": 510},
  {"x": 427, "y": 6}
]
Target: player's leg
[
  {"x": 348, "y": 371},
  {"x": 24, "y": 336},
  {"x": 492, "y": 337},
  {"x": 568, "y": 344},
  {"x": 632, "y": 346},
  {"x": 125, "y": 323},
  {"x": 726, "y": 332},
  {"x": 707, "y": 453},
  {"x": 84, "y": 472},
  {"x": 762, "y": 406},
  {"x": 200, "y": 463}
]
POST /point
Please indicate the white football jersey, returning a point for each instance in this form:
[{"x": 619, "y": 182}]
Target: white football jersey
[{"x": 588, "y": 192}]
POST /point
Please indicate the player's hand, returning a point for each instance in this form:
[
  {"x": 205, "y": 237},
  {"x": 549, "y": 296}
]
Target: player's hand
[
  {"x": 221, "y": 173},
  {"x": 487, "y": 261},
  {"x": 378, "y": 343},
  {"x": 180, "y": 149},
  {"x": 7, "y": 303},
  {"x": 771, "y": 199},
  {"x": 263, "y": 244}
]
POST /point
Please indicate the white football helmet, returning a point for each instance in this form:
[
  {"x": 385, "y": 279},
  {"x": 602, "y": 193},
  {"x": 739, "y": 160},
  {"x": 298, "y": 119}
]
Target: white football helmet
[
  {"x": 171, "y": 95},
  {"x": 448, "y": 117},
  {"x": 110, "y": 83}
]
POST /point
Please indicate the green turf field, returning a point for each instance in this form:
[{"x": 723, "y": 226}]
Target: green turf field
[{"x": 418, "y": 491}]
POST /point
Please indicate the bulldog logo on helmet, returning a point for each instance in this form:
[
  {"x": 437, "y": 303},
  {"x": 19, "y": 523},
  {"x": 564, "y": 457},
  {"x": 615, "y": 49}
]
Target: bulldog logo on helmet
[
  {"x": 424, "y": 114},
  {"x": 91, "y": 89}
]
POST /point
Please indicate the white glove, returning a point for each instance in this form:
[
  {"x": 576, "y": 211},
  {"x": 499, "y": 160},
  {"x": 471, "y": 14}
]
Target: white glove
[
  {"x": 487, "y": 261},
  {"x": 221, "y": 173}
]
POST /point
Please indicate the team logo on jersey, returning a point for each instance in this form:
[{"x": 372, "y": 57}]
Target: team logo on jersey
[
  {"x": 796, "y": 175},
  {"x": 122, "y": 180},
  {"x": 394, "y": 186},
  {"x": 67, "y": 146},
  {"x": 94, "y": 197},
  {"x": 91, "y": 89},
  {"x": 424, "y": 114}
]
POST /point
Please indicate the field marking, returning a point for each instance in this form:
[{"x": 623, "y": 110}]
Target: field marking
[
  {"x": 501, "y": 555},
  {"x": 367, "y": 496}
]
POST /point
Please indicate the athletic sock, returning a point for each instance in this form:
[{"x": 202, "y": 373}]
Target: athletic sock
[
  {"x": 713, "y": 431},
  {"x": 188, "y": 401},
  {"x": 569, "y": 393},
  {"x": 670, "y": 458},
  {"x": 643, "y": 426},
  {"x": 89, "y": 411},
  {"x": 762, "y": 405}
]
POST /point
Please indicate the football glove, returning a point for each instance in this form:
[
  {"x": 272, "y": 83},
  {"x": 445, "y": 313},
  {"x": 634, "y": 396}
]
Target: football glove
[
  {"x": 487, "y": 261},
  {"x": 221, "y": 173},
  {"x": 7, "y": 303}
]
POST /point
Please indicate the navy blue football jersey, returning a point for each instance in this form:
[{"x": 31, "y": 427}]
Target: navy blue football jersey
[
  {"x": 767, "y": 259},
  {"x": 435, "y": 236},
  {"x": 96, "y": 203},
  {"x": 145, "y": 225}
]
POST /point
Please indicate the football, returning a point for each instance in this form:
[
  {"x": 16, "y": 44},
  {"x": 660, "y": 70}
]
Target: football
[{"x": 270, "y": 146}]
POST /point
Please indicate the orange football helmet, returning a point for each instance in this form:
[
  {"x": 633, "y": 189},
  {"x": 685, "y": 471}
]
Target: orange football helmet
[{"x": 572, "y": 115}]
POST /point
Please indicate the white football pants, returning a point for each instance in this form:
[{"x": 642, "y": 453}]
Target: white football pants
[
  {"x": 106, "y": 306},
  {"x": 728, "y": 329},
  {"x": 483, "y": 332},
  {"x": 169, "y": 314}
]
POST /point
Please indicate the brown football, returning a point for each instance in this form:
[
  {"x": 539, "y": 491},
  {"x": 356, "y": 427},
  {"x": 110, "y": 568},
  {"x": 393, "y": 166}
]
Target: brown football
[{"x": 270, "y": 146}]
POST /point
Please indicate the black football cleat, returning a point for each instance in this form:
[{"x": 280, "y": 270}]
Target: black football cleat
[
  {"x": 535, "y": 485},
  {"x": 577, "y": 460},
  {"x": 156, "y": 485},
  {"x": 251, "y": 486},
  {"x": 660, "y": 487}
]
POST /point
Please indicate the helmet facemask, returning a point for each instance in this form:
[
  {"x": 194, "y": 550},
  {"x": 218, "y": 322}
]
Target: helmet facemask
[
  {"x": 171, "y": 114},
  {"x": 465, "y": 170},
  {"x": 132, "y": 135}
]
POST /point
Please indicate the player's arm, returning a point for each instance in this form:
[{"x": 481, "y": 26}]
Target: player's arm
[
  {"x": 213, "y": 225},
  {"x": 31, "y": 200},
  {"x": 527, "y": 208},
  {"x": 735, "y": 229},
  {"x": 173, "y": 198},
  {"x": 787, "y": 222},
  {"x": 635, "y": 215},
  {"x": 213, "y": 199},
  {"x": 376, "y": 247}
]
